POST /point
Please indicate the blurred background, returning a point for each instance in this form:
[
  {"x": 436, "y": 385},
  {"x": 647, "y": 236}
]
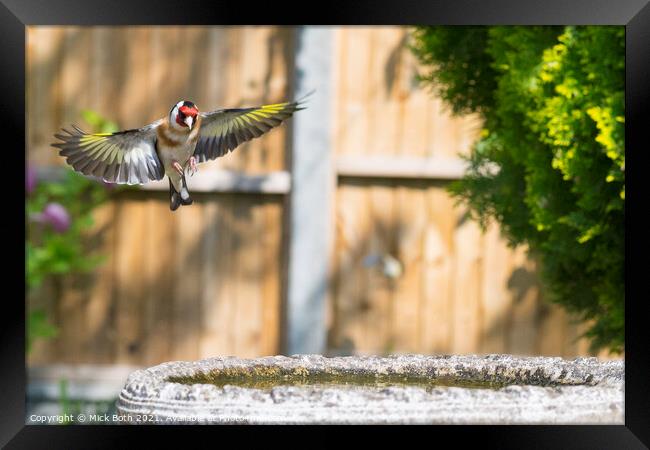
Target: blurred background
[{"x": 117, "y": 281}]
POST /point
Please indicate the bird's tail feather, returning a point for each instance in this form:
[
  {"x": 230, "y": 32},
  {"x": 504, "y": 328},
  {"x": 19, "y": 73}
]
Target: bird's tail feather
[{"x": 185, "y": 195}]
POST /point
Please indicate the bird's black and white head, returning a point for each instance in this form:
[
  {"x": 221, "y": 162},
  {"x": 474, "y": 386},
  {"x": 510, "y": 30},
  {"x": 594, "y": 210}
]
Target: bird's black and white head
[{"x": 183, "y": 115}]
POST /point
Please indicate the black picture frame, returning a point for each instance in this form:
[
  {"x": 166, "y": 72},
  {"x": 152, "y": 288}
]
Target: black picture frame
[{"x": 15, "y": 15}]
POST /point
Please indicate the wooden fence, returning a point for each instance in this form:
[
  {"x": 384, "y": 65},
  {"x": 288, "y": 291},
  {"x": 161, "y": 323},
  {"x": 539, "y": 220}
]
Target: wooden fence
[{"x": 211, "y": 279}]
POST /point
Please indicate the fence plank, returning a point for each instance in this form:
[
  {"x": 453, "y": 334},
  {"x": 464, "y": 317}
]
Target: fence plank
[
  {"x": 523, "y": 331},
  {"x": 248, "y": 274},
  {"x": 271, "y": 247},
  {"x": 129, "y": 287},
  {"x": 378, "y": 317},
  {"x": 160, "y": 274},
  {"x": 468, "y": 271},
  {"x": 495, "y": 298},
  {"x": 75, "y": 75},
  {"x": 45, "y": 44},
  {"x": 552, "y": 333},
  {"x": 133, "y": 101},
  {"x": 209, "y": 339},
  {"x": 438, "y": 264},
  {"x": 355, "y": 90},
  {"x": 383, "y": 111},
  {"x": 100, "y": 334},
  {"x": 218, "y": 320},
  {"x": 186, "y": 327},
  {"x": 350, "y": 283},
  {"x": 409, "y": 221}
]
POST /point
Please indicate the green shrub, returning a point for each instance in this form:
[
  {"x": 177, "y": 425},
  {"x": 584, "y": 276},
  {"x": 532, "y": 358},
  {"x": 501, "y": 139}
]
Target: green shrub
[
  {"x": 58, "y": 214},
  {"x": 552, "y": 100}
]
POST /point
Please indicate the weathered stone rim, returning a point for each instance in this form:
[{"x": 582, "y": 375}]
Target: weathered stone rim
[
  {"x": 292, "y": 369},
  {"x": 535, "y": 378},
  {"x": 535, "y": 371}
]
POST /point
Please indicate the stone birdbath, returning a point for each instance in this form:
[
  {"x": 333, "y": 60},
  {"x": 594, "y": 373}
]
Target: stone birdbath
[{"x": 404, "y": 389}]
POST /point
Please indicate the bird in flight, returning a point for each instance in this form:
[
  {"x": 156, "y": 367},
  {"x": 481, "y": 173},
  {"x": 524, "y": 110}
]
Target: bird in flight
[{"x": 169, "y": 146}]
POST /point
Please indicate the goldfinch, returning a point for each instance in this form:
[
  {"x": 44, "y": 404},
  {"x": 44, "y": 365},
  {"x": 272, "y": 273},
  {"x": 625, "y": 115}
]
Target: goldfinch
[{"x": 169, "y": 146}]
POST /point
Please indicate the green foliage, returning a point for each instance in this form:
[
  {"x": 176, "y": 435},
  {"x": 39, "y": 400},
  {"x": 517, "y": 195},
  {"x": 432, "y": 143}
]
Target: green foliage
[
  {"x": 99, "y": 123},
  {"x": 460, "y": 70},
  {"x": 552, "y": 100},
  {"x": 39, "y": 327},
  {"x": 50, "y": 252}
]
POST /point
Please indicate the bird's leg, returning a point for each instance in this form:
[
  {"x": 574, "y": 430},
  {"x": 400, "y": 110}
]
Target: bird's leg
[
  {"x": 193, "y": 168},
  {"x": 176, "y": 165}
]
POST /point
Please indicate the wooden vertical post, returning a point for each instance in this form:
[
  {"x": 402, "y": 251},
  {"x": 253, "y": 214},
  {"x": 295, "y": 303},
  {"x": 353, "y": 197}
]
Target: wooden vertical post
[{"x": 311, "y": 194}]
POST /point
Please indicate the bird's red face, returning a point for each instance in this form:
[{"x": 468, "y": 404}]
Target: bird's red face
[{"x": 186, "y": 113}]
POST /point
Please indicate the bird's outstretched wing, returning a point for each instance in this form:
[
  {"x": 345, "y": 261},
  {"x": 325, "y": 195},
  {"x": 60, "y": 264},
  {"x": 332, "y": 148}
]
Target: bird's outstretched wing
[
  {"x": 125, "y": 157},
  {"x": 225, "y": 129}
]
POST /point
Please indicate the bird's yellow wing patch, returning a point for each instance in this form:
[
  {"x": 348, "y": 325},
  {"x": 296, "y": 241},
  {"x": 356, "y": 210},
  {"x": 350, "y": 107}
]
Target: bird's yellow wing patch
[{"x": 223, "y": 130}]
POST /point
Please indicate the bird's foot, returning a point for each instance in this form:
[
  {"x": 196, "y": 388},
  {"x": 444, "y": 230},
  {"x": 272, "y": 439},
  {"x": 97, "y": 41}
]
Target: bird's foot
[
  {"x": 176, "y": 165},
  {"x": 193, "y": 168}
]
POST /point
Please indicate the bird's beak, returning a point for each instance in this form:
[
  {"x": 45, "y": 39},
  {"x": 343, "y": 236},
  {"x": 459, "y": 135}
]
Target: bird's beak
[{"x": 189, "y": 120}]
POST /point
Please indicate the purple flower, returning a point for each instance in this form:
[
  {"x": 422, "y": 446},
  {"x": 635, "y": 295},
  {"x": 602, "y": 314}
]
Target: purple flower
[
  {"x": 30, "y": 179},
  {"x": 57, "y": 216}
]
